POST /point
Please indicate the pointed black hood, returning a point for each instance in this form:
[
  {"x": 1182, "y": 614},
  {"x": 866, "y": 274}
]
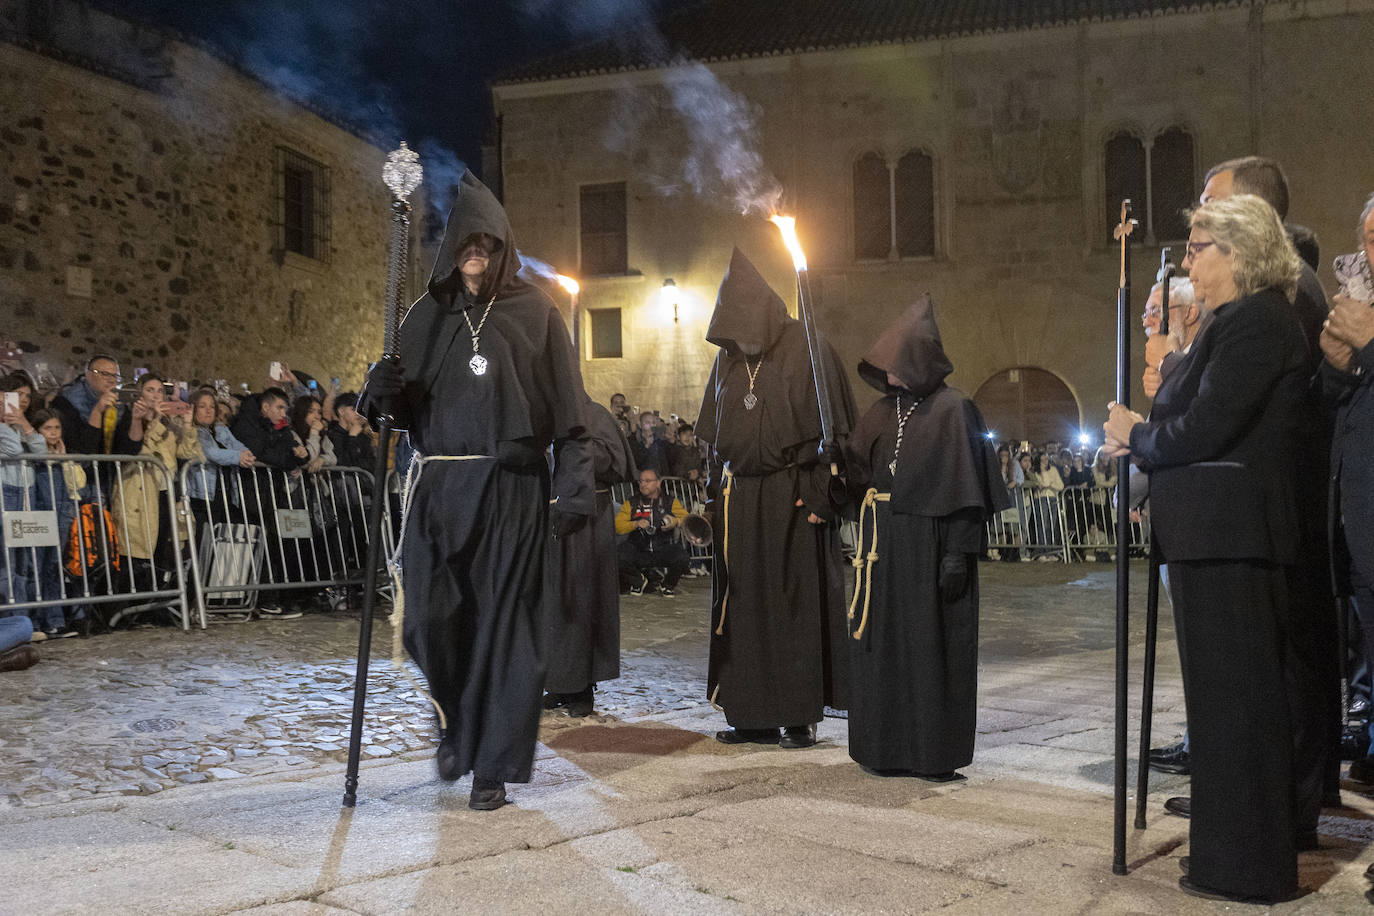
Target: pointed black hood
[
  {"x": 910, "y": 349},
  {"x": 747, "y": 312},
  {"x": 475, "y": 209}
]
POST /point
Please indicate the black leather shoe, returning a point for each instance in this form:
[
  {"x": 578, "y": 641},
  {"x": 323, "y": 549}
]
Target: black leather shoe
[
  {"x": 950, "y": 776},
  {"x": 747, "y": 736},
  {"x": 1207, "y": 893},
  {"x": 447, "y": 759},
  {"x": 1359, "y": 708},
  {"x": 1172, "y": 759},
  {"x": 1362, "y": 770},
  {"x": 555, "y": 700},
  {"x": 1355, "y": 741},
  {"x": 1165, "y": 753},
  {"x": 580, "y": 704},
  {"x": 797, "y": 736},
  {"x": 487, "y": 794},
  {"x": 1179, "y": 806}
]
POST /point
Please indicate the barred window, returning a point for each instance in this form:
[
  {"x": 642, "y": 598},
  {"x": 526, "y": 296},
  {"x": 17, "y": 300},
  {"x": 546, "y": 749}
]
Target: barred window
[
  {"x": 605, "y": 333},
  {"x": 1159, "y": 177},
  {"x": 872, "y": 208},
  {"x": 603, "y": 226},
  {"x": 302, "y": 205},
  {"x": 894, "y": 207}
]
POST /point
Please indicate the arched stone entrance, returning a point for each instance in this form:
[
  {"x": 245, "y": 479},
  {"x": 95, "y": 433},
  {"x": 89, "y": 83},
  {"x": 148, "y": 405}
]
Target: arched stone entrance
[{"x": 1026, "y": 403}]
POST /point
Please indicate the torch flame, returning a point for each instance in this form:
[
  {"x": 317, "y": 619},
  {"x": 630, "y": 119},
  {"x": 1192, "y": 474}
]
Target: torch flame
[
  {"x": 568, "y": 283},
  {"x": 787, "y": 225}
]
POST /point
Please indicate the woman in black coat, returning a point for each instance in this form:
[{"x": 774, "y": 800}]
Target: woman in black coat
[{"x": 1221, "y": 445}]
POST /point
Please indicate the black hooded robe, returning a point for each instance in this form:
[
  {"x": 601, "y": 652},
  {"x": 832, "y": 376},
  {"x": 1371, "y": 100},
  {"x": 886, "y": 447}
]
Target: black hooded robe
[
  {"x": 582, "y": 622},
  {"x": 914, "y": 656},
  {"x": 777, "y": 609},
  {"x": 476, "y": 537}
]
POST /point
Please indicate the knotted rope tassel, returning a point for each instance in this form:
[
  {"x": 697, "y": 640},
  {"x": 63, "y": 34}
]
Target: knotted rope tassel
[{"x": 863, "y": 563}]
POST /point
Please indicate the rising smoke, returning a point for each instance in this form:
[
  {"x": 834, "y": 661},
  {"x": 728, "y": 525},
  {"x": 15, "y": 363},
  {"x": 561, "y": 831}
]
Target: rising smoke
[{"x": 720, "y": 159}]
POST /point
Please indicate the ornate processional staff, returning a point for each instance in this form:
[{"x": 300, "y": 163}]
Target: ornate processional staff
[
  {"x": 401, "y": 174},
  {"x": 1123, "y": 534}
]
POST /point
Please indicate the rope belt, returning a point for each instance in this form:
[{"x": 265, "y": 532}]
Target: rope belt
[
  {"x": 725, "y": 552},
  {"x": 393, "y": 568},
  {"x": 863, "y": 563}
]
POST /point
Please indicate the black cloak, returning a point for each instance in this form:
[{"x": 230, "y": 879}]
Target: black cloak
[
  {"x": 777, "y": 645},
  {"x": 582, "y": 622},
  {"x": 914, "y": 655},
  {"x": 476, "y": 536}
]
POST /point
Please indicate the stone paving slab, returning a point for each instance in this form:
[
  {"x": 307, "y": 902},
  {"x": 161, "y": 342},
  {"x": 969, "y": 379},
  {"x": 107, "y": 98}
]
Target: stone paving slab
[{"x": 108, "y": 863}]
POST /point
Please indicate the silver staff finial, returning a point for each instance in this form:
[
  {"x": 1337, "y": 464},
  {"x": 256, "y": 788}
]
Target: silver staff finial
[{"x": 402, "y": 171}]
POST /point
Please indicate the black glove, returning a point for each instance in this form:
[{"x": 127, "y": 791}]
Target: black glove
[
  {"x": 564, "y": 524},
  {"x": 953, "y": 576},
  {"x": 384, "y": 384}
]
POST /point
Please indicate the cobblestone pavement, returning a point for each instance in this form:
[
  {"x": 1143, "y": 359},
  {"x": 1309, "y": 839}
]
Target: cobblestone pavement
[{"x": 137, "y": 712}]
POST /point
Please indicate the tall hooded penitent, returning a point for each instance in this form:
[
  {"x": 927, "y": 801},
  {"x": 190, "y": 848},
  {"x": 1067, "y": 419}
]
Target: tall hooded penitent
[
  {"x": 475, "y": 210},
  {"x": 749, "y": 316},
  {"x": 909, "y": 349}
]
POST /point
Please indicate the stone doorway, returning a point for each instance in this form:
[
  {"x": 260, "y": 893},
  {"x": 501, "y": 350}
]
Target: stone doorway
[{"x": 1029, "y": 404}]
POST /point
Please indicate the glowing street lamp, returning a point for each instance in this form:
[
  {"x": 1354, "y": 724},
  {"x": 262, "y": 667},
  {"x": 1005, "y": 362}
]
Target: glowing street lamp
[{"x": 670, "y": 295}]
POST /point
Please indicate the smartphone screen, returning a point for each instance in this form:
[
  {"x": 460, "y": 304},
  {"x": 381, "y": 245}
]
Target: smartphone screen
[
  {"x": 11, "y": 401},
  {"x": 274, "y": 371}
]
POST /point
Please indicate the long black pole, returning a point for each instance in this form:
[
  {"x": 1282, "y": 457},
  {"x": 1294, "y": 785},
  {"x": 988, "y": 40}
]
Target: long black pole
[
  {"x": 1147, "y": 692},
  {"x": 395, "y": 293},
  {"x": 1123, "y": 537}
]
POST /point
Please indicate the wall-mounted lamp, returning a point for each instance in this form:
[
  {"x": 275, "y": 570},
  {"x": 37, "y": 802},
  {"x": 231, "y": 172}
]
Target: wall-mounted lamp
[{"x": 669, "y": 295}]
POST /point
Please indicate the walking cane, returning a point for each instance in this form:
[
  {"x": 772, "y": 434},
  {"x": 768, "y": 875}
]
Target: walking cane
[
  {"x": 402, "y": 175},
  {"x": 1123, "y": 538},
  {"x": 1147, "y": 693}
]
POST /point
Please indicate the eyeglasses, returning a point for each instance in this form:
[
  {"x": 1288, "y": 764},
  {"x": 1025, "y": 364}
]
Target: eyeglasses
[
  {"x": 1197, "y": 248},
  {"x": 115, "y": 376}
]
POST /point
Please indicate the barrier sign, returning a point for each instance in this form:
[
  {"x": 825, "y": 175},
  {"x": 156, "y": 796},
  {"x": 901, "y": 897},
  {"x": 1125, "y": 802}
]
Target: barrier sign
[
  {"x": 293, "y": 523},
  {"x": 32, "y": 529}
]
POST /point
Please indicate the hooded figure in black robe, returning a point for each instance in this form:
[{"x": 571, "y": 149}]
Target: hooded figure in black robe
[
  {"x": 777, "y": 610},
  {"x": 914, "y": 617},
  {"x": 582, "y": 622},
  {"x": 476, "y": 532}
]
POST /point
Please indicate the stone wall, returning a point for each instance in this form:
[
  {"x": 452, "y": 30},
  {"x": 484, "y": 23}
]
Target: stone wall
[
  {"x": 1015, "y": 123},
  {"x": 140, "y": 222}
]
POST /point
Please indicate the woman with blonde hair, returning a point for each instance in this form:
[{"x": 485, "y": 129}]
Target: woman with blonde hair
[{"x": 1221, "y": 447}]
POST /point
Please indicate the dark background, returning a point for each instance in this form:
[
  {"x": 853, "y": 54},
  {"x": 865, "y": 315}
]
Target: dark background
[{"x": 396, "y": 69}]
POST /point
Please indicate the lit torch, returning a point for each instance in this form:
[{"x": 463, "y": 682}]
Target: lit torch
[
  {"x": 569, "y": 284},
  {"x": 787, "y": 225}
]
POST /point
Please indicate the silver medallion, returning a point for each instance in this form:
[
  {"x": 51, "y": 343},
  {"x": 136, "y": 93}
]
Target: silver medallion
[
  {"x": 478, "y": 364},
  {"x": 750, "y": 400}
]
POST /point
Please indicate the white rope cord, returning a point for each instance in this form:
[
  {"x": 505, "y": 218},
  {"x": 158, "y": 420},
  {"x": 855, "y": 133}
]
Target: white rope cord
[{"x": 393, "y": 568}]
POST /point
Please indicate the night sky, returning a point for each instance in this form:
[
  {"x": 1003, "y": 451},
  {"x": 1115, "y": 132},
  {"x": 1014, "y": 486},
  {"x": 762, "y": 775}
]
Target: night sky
[{"x": 399, "y": 69}]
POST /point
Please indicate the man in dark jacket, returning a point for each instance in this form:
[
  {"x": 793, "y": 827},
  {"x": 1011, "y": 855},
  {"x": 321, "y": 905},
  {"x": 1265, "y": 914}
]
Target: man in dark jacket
[
  {"x": 1347, "y": 377},
  {"x": 263, "y": 427},
  {"x": 90, "y": 412},
  {"x": 650, "y": 519}
]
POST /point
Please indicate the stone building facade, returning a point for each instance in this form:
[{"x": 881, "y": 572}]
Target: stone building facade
[
  {"x": 993, "y": 143},
  {"x": 161, "y": 206}
]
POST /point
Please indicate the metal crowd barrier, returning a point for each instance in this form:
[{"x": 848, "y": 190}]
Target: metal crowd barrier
[
  {"x": 85, "y": 531},
  {"x": 1074, "y": 524},
  {"x": 263, "y": 528}
]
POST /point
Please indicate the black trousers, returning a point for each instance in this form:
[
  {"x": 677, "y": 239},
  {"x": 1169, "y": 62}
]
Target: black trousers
[
  {"x": 636, "y": 561},
  {"x": 1231, "y": 644}
]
